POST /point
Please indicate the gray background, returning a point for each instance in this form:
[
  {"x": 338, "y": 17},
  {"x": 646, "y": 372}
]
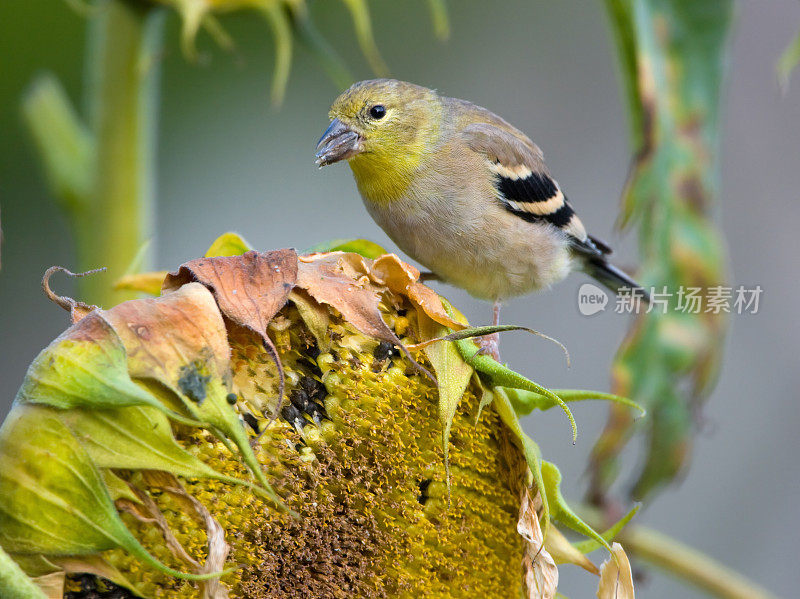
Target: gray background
[{"x": 227, "y": 161}]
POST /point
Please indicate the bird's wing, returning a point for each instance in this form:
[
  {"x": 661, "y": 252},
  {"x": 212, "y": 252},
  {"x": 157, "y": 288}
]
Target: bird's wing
[{"x": 523, "y": 182}]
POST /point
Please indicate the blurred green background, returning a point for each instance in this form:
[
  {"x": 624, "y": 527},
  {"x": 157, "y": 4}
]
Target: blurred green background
[{"x": 227, "y": 160}]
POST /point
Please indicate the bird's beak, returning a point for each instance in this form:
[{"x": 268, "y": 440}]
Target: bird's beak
[{"x": 339, "y": 142}]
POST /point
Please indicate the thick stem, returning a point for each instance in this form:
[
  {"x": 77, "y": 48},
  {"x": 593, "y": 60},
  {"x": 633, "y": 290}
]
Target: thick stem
[
  {"x": 689, "y": 565},
  {"x": 122, "y": 92},
  {"x": 14, "y": 584}
]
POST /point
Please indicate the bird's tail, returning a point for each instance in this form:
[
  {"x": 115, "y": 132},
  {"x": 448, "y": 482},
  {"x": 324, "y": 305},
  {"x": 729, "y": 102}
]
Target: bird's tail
[{"x": 612, "y": 277}]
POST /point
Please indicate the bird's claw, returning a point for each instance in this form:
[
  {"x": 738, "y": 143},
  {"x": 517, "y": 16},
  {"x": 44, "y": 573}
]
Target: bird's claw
[{"x": 490, "y": 346}]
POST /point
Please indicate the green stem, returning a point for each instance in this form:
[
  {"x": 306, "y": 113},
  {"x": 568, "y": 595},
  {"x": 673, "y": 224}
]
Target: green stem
[
  {"x": 14, "y": 583},
  {"x": 689, "y": 565},
  {"x": 121, "y": 92}
]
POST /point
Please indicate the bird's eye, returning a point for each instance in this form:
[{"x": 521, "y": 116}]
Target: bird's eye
[{"x": 378, "y": 111}]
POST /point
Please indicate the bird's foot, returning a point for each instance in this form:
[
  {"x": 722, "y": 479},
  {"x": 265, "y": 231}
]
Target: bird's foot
[{"x": 490, "y": 345}]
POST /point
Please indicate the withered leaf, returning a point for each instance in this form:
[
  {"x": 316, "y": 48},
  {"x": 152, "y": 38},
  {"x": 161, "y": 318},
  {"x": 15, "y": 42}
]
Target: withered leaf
[
  {"x": 163, "y": 335},
  {"x": 218, "y": 548},
  {"x": 249, "y": 289},
  {"x": 52, "y": 585},
  {"x": 77, "y": 310},
  {"x": 342, "y": 280},
  {"x": 403, "y": 279}
]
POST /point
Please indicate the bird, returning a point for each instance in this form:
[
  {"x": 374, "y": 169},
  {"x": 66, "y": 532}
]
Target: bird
[{"x": 462, "y": 192}]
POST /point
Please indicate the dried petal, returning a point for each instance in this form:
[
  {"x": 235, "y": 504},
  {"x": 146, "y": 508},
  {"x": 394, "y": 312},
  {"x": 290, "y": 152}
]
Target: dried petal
[
  {"x": 342, "y": 281},
  {"x": 403, "y": 279},
  {"x": 52, "y": 585},
  {"x": 616, "y": 580},
  {"x": 539, "y": 569}
]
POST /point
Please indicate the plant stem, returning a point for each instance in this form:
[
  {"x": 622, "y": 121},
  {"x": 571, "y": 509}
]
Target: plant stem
[
  {"x": 122, "y": 66},
  {"x": 14, "y": 583},
  {"x": 690, "y": 565}
]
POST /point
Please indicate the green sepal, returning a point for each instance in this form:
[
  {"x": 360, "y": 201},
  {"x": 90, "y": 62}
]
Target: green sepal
[
  {"x": 228, "y": 244},
  {"x": 452, "y": 377},
  {"x": 140, "y": 438},
  {"x": 55, "y": 501},
  {"x": 525, "y": 402},
  {"x": 590, "y": 545},
  {"x": 531, "y": 451},
  {"x": 85, "y": 367},
  {"x": 502, "y": 376},
  {"x": 14, "y": 583},
  {"x": 363, "y": 247},
  {"x": 559, "y": 507}
]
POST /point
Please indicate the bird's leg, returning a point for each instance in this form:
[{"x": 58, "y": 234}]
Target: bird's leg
[{"x": 490, "y": 344}]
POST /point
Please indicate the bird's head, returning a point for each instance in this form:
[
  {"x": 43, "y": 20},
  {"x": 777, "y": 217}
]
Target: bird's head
[{"x": 383, "y": 127}]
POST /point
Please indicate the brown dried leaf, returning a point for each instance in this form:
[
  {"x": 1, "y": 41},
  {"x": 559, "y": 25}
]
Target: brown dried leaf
[
  {"x": 165, "y": 334},
  {"x": 149, "y": 513},
  {"x": 616, "y": 580},
  {"x": 539, "y": 569},
  {"x": 250, "y": 289},
  {"x": 403, "y": 279},
  {"x": 342, "y": 280}
]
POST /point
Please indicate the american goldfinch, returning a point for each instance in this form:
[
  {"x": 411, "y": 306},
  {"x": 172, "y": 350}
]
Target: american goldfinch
[{"x": 461, "y": 191}]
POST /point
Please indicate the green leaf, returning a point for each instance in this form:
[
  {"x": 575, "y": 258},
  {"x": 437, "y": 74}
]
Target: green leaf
[
  {"x": 609, "y": 535},
  {"x": 359, "y": 12},
  {"x": 228, "y": 244},
  {"x": 14, "y": 583},
  {"x": 531, "y": 451},
  {"x": 363, "y": 247},
  {"x": 452, "y": 375},
  {"x": 502, "y": 376},
  {"x": 559, "y": 508},
  {"x": 525, "y": 402},
  {"x": 441, "y": 23},
  {"x": 140, "y": 438},
  {"x": 54, "y": 499},
  {"x": 282, "y": 42},
  {"x": 788, "y": 62}
]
